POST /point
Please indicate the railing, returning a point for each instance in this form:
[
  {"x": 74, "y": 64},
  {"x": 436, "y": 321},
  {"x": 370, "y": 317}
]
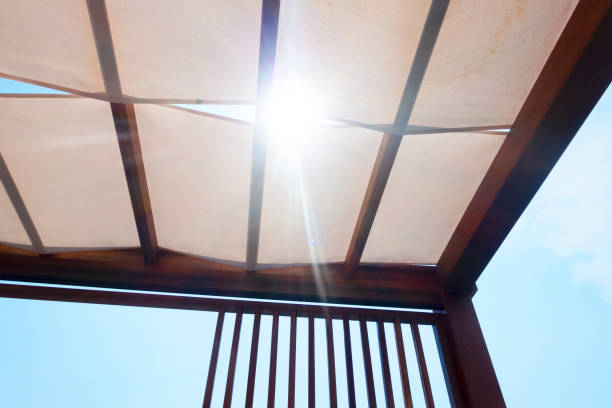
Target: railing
[
  {"x": 329, "y": 315},
  {"x": 358, "y": 345}
]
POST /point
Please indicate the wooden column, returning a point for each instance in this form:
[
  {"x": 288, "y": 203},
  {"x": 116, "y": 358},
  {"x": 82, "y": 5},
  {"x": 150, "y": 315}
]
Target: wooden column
[{"x": 468, "y": 367}]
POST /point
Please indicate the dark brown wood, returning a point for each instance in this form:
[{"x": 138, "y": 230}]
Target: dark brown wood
[
  {"x": 214, "y": 357},
  {"x": 418, "y": 348},
  {"x": 576, "y": 74},
  {"x": 367, "y": 362},
  {"x": 401, "y": 358},
  {"x": 455, "y": 385},
  {"x": 124, "y": 117},
  {"x": 292, "y": 340},
  {"x": 253, "y": 360},
  {"x": 384, "y": 361},
  {"x": 311, "y": 362},
  {"x": 267, "y": 56},
  {"x": 391, "y": 142},
  {"x": 348, "y": 356},
  {"x": 133, "y": 165},
  {"x": 20, "y": 208},
  {"x": 462, "y": 333},
  {"x": 231, "y": 371},
  {"x": 273, "y": 361},
  {"x": 109, "y": 297},
  {"x": 123, "y": 269},
  {"x": 331, "y": 362}
]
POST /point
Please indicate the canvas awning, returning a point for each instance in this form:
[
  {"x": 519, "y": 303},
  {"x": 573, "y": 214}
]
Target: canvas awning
[{"x": 430, "y": 88}]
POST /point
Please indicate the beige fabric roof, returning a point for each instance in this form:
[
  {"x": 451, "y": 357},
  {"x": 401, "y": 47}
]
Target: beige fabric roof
[
  {"x": 354, "y": 56},
  {"x": 64, "y": 158}
]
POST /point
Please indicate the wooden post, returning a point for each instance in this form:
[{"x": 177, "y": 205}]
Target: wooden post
[{"x": 468, "y": 368}]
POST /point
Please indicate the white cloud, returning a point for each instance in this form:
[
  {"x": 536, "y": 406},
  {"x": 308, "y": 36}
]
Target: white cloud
[{"x": 572, "y": 213}]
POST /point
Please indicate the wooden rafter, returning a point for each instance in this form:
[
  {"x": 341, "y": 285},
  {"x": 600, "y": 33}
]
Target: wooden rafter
[
  {"x": 576, "y": 74},
  {"x": 20, "y": 208},
  {"x": 267, "y": 55},
  {"x": 124, "y": 118},
  {"x": 391, "y": 142},
  {"x": 377, "y": 285}
]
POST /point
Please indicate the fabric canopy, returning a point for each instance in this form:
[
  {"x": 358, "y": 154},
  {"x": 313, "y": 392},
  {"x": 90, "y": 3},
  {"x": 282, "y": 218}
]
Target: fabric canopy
[{"x": 352, "y": 57}]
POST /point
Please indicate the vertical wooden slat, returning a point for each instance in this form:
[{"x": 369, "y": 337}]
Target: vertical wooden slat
[
  {"x": 384, "y": 361},
  {"x": 229, "y": 385},
  {"x": 311, "y": 363},
  {"x": 367, "y": 362},
  {"x": 418, "y": 347},
  {"x": 273, "y": 359},
  {"x": 292, "y": 338},
  {"x": 253, "y": 360},
  {"x": 401, "y": 356},
  {"x": 348, "y": 356},
  {"x": 214, "y": 357},
  {"x": 20, "y": 208},
  {"x": 267, "y": 55},
  {"x": 331, "y": 363},
  {"x": 455, "y": 386}
]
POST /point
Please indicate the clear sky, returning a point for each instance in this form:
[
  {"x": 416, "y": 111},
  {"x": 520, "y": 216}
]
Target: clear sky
[{"x": 544, "y": 304}]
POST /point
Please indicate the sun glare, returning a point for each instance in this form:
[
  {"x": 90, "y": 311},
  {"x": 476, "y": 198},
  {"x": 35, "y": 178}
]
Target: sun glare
[{"x": 290, "y": 115}]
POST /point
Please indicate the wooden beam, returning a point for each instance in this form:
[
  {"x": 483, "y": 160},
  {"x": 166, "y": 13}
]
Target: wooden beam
[
  {"x": 576, "y": 74},
  {"x": 408, "y": 286},
  {"x": 473, "y": 378},
  {"x": 109, "y": 297},
  {"x": 20, "y": 208},
  {"x": 124, "y": 117},
  {"x": 391, "y": 142},
  {"x": 267, "y": 55}
]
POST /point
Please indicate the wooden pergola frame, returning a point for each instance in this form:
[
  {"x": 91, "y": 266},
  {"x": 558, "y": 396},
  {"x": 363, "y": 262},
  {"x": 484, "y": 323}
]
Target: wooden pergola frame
[
  {"x": 574, "y": 77},
  {"x": 576, "y": 74}
]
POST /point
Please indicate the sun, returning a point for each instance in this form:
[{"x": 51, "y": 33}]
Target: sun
[{"x": 291, "y": 114}]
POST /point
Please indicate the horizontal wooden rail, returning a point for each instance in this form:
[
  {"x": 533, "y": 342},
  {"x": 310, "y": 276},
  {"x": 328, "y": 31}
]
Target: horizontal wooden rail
[
  {"x": 408, "y": 286},
  {"x": 108, "y": 297},
  {"x": 457, "y": 335}
]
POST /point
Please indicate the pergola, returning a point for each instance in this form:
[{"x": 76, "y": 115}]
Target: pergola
[{"x": 441, "y": 119}]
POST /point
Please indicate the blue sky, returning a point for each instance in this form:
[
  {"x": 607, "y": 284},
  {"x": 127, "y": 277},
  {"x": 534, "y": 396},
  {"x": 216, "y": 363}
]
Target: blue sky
[{"x": 544, "y": 304}]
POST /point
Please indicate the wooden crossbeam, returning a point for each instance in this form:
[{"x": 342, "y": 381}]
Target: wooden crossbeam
[
  {"x": 20, "y": 208},
  {"x": 391, "y": 142},
  {"x": 375, "y": 285},
  {"x": 577, "y": 72},
  {"x": 124, "y": 118},
  {"x": 267, "y": 56}
]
